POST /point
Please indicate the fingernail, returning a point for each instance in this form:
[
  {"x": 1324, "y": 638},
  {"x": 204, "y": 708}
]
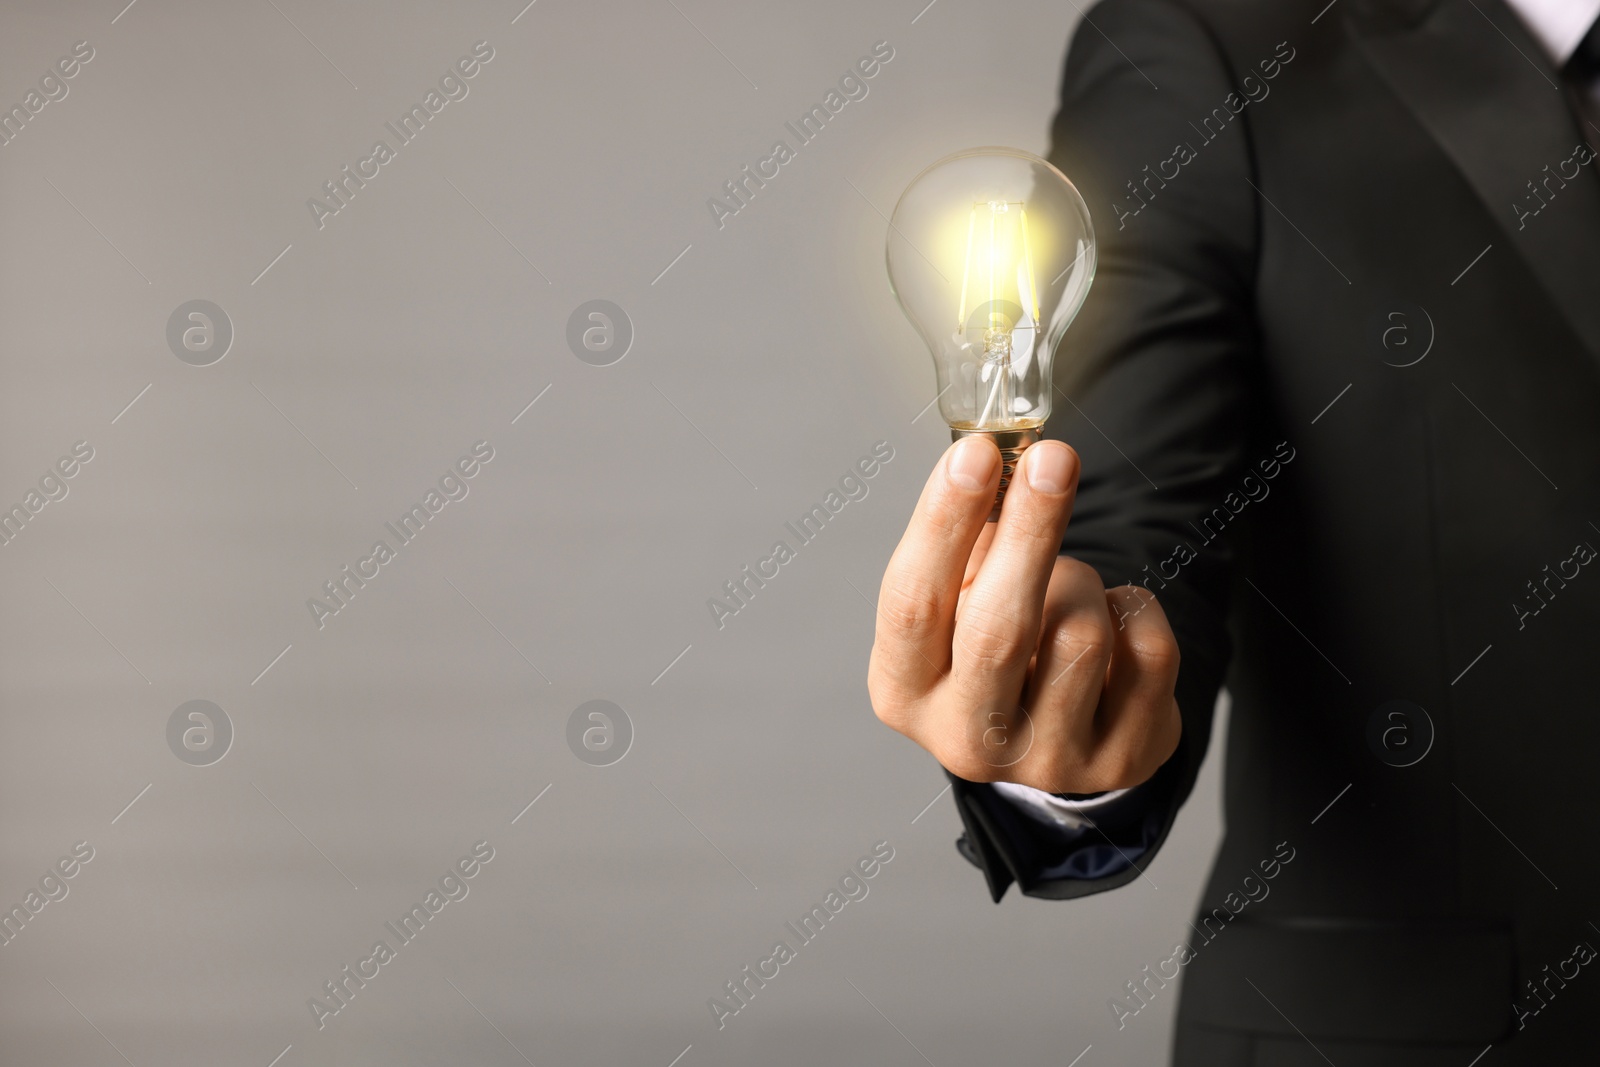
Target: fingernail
[
  {"x": 971, "y": 462},
  {"x": 1049, "y": 468}
]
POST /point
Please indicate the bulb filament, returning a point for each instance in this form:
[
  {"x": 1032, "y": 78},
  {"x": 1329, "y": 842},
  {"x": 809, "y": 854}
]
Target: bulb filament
[{"x": 998, "y": 265}]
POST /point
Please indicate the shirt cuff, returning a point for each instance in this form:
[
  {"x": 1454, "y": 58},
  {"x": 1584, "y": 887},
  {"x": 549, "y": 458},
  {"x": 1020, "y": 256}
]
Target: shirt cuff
[
  {"x": 1053, "y": 810},
  {"x": 1078, "y": 837}
]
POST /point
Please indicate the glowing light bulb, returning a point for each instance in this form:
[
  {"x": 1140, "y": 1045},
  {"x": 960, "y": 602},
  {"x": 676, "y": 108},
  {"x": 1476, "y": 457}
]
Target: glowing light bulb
[{"x": 991, "y": 252}]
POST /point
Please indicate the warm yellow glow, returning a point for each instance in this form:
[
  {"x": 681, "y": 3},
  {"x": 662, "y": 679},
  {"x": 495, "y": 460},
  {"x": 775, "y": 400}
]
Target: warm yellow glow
[
  {"x": 966, "y": 268},
  {"x": 1032, "y": 305},
  {"x": 998, "y": 267}
]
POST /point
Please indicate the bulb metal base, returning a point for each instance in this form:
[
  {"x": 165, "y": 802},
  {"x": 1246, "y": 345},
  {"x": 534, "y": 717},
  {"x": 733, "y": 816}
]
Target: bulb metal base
[{"x": 1011, "y": 443}]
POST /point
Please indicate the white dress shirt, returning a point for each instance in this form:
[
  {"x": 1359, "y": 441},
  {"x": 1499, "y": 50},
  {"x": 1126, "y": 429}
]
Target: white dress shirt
[{"x": 1558, "y": 25}]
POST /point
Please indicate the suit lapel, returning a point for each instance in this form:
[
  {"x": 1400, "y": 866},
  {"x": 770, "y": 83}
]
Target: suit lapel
[{"x": 1470, "y": 73}]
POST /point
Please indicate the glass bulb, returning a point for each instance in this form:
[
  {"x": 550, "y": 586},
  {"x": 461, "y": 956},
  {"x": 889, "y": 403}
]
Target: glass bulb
[{"x": 991, "y": 252}]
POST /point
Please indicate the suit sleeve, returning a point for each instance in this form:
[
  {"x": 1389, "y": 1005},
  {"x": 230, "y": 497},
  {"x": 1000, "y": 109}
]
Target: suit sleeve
[{"x": 1154, "y": 384}]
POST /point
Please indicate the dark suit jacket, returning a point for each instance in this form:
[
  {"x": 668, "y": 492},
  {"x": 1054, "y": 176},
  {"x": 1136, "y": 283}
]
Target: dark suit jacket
[{"x": 1318, "y": 236}]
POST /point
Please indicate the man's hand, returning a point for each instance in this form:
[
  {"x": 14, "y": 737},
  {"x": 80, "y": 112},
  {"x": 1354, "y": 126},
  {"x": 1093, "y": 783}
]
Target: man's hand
[{"x": 1006, "y": 661}]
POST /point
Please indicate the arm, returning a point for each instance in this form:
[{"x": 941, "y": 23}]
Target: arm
[{"x": 1154, "y": 392}]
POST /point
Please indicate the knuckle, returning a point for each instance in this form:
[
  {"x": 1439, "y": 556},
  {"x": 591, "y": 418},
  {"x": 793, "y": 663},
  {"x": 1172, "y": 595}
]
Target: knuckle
[
  {"x": 992, "y": 640},
  {"x": 1157, "y": 652},
  {"x": 1135, "y": 605},
  {"x": 895, "y": 700},
  {"x": 1036, "y": 519},
  {"x": 885, "y": 698},
  {"x": 1131, "y": 758},
  {"x": 944, "y": 514},
  {"x": 1084, "y": 641},
  {"x": 894, "y": 717},
  {"x": 911, "y": 606},
  {"x": 1078, "y": 573}
]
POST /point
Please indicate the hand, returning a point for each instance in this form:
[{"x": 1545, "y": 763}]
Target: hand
[{"x": 1007, "y": 661}]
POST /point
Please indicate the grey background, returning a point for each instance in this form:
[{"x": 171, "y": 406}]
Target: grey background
[{"x": 429, "y": 712}]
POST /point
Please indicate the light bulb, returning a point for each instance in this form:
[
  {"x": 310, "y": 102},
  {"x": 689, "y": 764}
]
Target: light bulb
[{"x": 990, "y": 254}]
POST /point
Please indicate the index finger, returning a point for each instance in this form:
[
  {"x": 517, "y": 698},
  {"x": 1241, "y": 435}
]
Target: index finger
[{"x": 922, "y": 584}]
